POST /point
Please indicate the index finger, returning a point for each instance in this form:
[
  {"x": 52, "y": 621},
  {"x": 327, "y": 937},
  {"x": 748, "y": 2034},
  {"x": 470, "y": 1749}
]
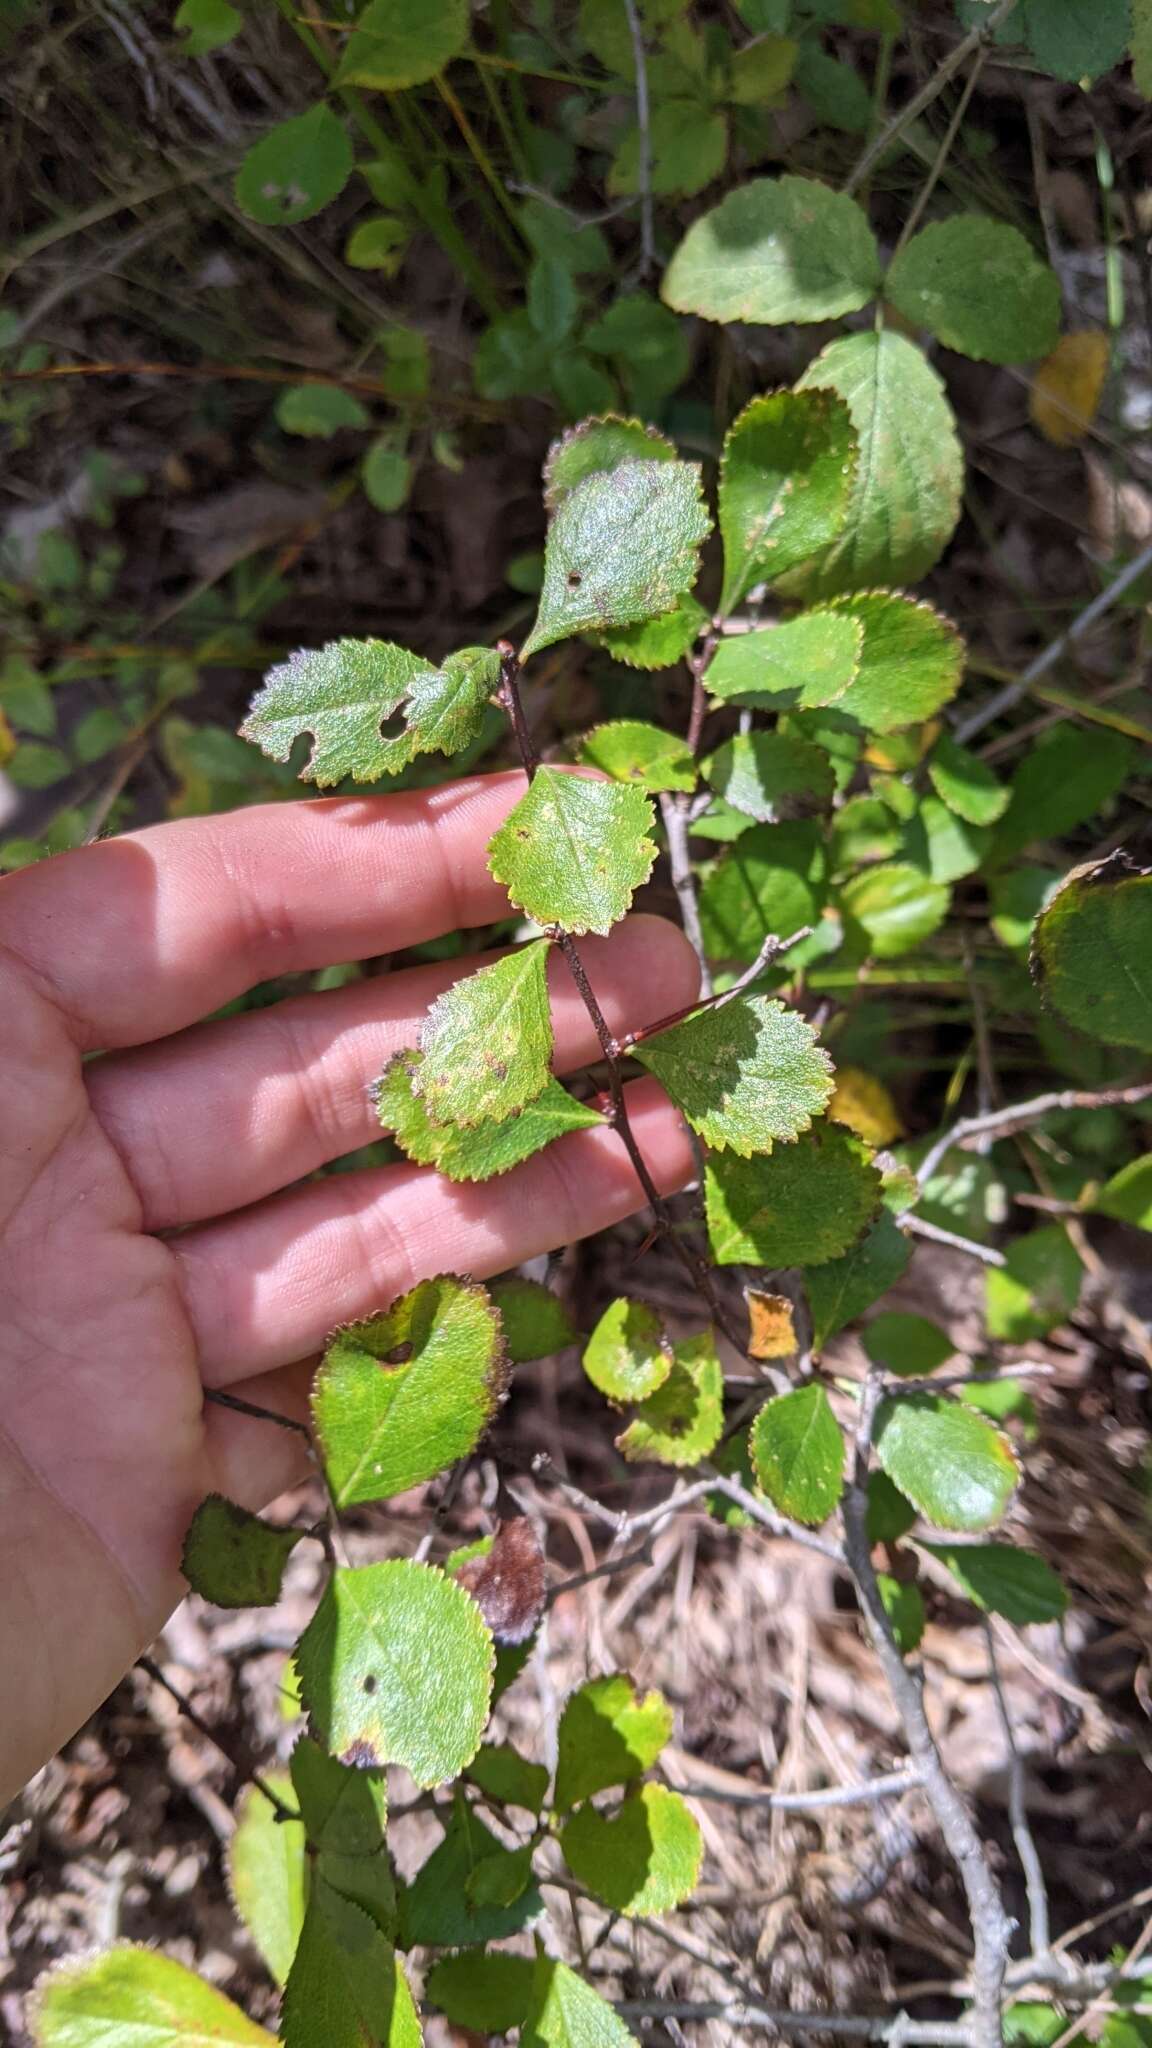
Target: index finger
[{"x": 136, "y": 937}]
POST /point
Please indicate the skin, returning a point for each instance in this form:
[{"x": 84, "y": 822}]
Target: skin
[{"x": 157, "y": 1233}]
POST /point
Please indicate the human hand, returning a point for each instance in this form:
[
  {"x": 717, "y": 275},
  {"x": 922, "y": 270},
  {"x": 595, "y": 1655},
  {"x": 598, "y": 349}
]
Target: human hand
[{"x": 112, "y": 1326}]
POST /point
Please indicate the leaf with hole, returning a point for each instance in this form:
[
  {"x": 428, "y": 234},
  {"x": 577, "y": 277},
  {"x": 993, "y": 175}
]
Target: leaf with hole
[
  {"x": 608, "y": 1735},
  {"x": 268, "y": 1874},
  {"x": 401, "y": 1395},
  {"x": 906, "y": 497},
  {"x": 786, "y": 476},
  {"x": 955, "y": 1468},
  {"x": 347, "y": 1988},
  {"x": 233, "y": 1558},
  {"x": 396, "y": 1667},
  {"x": 482, "y": 1151},
  {"x": 771, "y": 776},
  {"x": 808, "y": 661},
  {"x": 979, "y": 287},
  {"x": 295, "y": 170},
  {"x": 131, "y": 1994},
  {"x": 747, "y": 1073},
  {"x": 802, "y": 1204},
  {"x": 622, "y": 546},
  {"x": 487, "y": 1041},
  {"x": 1000, "y": 1579},
  {"x": 628, "y": 1354},
  {"x": 565, "y": 2012},
  {"x": 343, "y": 693},
  {"x": 776, "y": 250},
  {"x": 1092, "y": 951},
  {"x": 645, "y": 1859},
  {"x": 396, "y": 43},
  {"x": 798, "y": 1453},
  {"x": 574, "y": 850},
  {"x": 682, "y": 1421},
  {"x": 1036, "y": 1288}
]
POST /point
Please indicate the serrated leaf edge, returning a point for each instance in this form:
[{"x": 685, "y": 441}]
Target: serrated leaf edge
[
  {"x": 579, "y": 432},
  {"x": 837, "y": 401}
]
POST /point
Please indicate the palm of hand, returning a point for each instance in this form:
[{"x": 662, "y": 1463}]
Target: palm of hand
[{"x": 214, "y": 1132}]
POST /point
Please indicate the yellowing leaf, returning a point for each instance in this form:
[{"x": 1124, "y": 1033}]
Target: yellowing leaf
[
  {"x": 862, "y": 1102},
  {"x": 487, "y": 1042},
  {"x": 681, "y": 1422},
  {"x": 268, "y": 1874},
  {"x": 131, "y": 1994},
  {"x": 481, "y": 1151},
  {"x": 771, "y": 1325},
  {"x": 628, "y": 1355},
  {"x": 1067, "y": 386}
]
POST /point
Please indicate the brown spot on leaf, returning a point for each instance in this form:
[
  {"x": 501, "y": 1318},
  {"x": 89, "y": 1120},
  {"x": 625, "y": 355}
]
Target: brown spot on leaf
[
  {"x": 361, "y": 1756},
  {"x": 508, "y": 1585}
]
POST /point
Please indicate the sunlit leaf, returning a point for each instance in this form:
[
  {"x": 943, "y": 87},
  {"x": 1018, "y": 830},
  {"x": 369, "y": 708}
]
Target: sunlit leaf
[
  {"x": 536, "y": 1321},
  {"x": 786, "y": 476},
  {"x": 622, "y": 546},
  {"x": 1128, "y": 1194},
  {"x": 404, "y": 1394},
  {"x": 771, "y": 776},
  {"x": 864, "y": 1103},
  {"x": 1092, "y": 952},
  {"x": 804, "y": 1203},
  {"x": 608, "y": 1735},
  {"x": 268, "y": 1874},
  {"x": 911, "y": 661},
  {"x": 1036, "y": 1288},
  {"x": 487, "y": 1041},
  {"x": 896, "y": 905},
  {"x": 682, "y": 1421},
  {"x": 965, "y": 783},
  {"x": 776, "y": 250},
  {"x": 574, "y": 850},
  {"x": 1069, "y": 383},
  {"x": 955, "y": 1468},
  {"x": 598, "y": 446},
  {"x": 657, "y": 643},
  {"x": 296, "y": 169},
  {"x": 346, "y": 1988},
  {"x": 904, "y": 1605},
  {"x": 631, "y": 751},
  {"x": 645, "y": 1859},
  {"x": 565, "y": 2012},
  {"x": 746, "y": 1073},
  {"x": 481, "y": 1151},
  {"x": 402, "y": 42},
  {"x": 233, "y": 1558},
  {"x": 343, "y": 693},
  {"x": 130, "y": 1994},
  {"x": 628, "y": 1354},
  {"x": 806, "y": 661},
  {"x": 798, "y": 1453},
  {"x": 771, "y": 1324},
  {"x": 396, "y": 1667}
]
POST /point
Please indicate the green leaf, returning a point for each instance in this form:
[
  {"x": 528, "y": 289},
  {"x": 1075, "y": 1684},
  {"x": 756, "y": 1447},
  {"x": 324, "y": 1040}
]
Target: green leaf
[
  {"x": 688, "y": 148},
  {"x": 37, "y": 766},
  {"x": 484, "y": 1150},
  {"x": 378, "y": 244},
  {"x": 1092, "y": 952},
  {"x": 386, "y": 474},
  {"x": 777, "y": 250},
  {"x": 318, "y": 411},
  {"x": 805, "y": 1203},
  {"x": 1037, "y": 1287},
  {"x": 1128, "y": 1195},
  {"x": 904, "y": 1606},
  {"x": 646, "y": 1859},
  {"x": 770, "y": 881},
  {"x": 657, "y": 643},
  {"x": 580, "y": 384},
  {"x": 682, "y": 1421},
  {"x": 798, "y": 1453},
  {"x": 980, "y": 287},
  {"x": 890, "y": 1516},
  {"x": 486, "y": 1994},
  {"x": 504, "y": 1775},
  {"x": 911, "y": 661},
  {"x": 631, "y": 751},
  {"x": 1004, "y": 1400},
  {"x": 268, "y": 1875},
  {"x": 404, "y": 1394},
  {"x": 133, "y": 1995},
  {"x": 908, "y": 1345},
  {"x": 746, "y": 1073},
  {"x": 1003, "y": 1580},
  {"x": 966, "y": 784},
  {"x": 295, "y": 170},
  {"x": 836, "y": 93},
  {"x": 647, "y": 345},
  {"x": 396, "y": 1667},
  {"x": 628, "y": 1354},
  {"x": 807, "y": 661},
  {"x": 343, "y": 1810},
  {"x": 346, "y": 1989},
  {"x": 842, "y": 1289},
  {"x": 487, "y": 1041},
  {"x": 233, "y": 1558},
  {"x": 565, "y": 2012},
  {"x": 511, "y": 360},
  {"x": 402, "y": 42},
  {"x": 343, "y": 693},
  {"x": 438, "y": 1910},
  {"x": 1018, "y": 896},
  {"x": 953, "y": 1466},
  {"x": 552, "y": 299},
  {"x": 1062, "y": 781},
  {"x": 595, "y": 448},
  {"x": 622, "y": 546},
  {"x": 608, "y": 1735},
  {"x": 770, "y": 776},
  {"x": 1077, "y": 39},
  {"x": 536, "y": 1322},
  {"x": 786, "y": 476},
  {"x": 896, "y": 905},
  {"x": 574, "y": 850},
  {"x": 1142, "y": 47},
  {"x": 762, "y": 70},
  {"x": 206, "y": 25},
  {"x": 906, "y": 497}
]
